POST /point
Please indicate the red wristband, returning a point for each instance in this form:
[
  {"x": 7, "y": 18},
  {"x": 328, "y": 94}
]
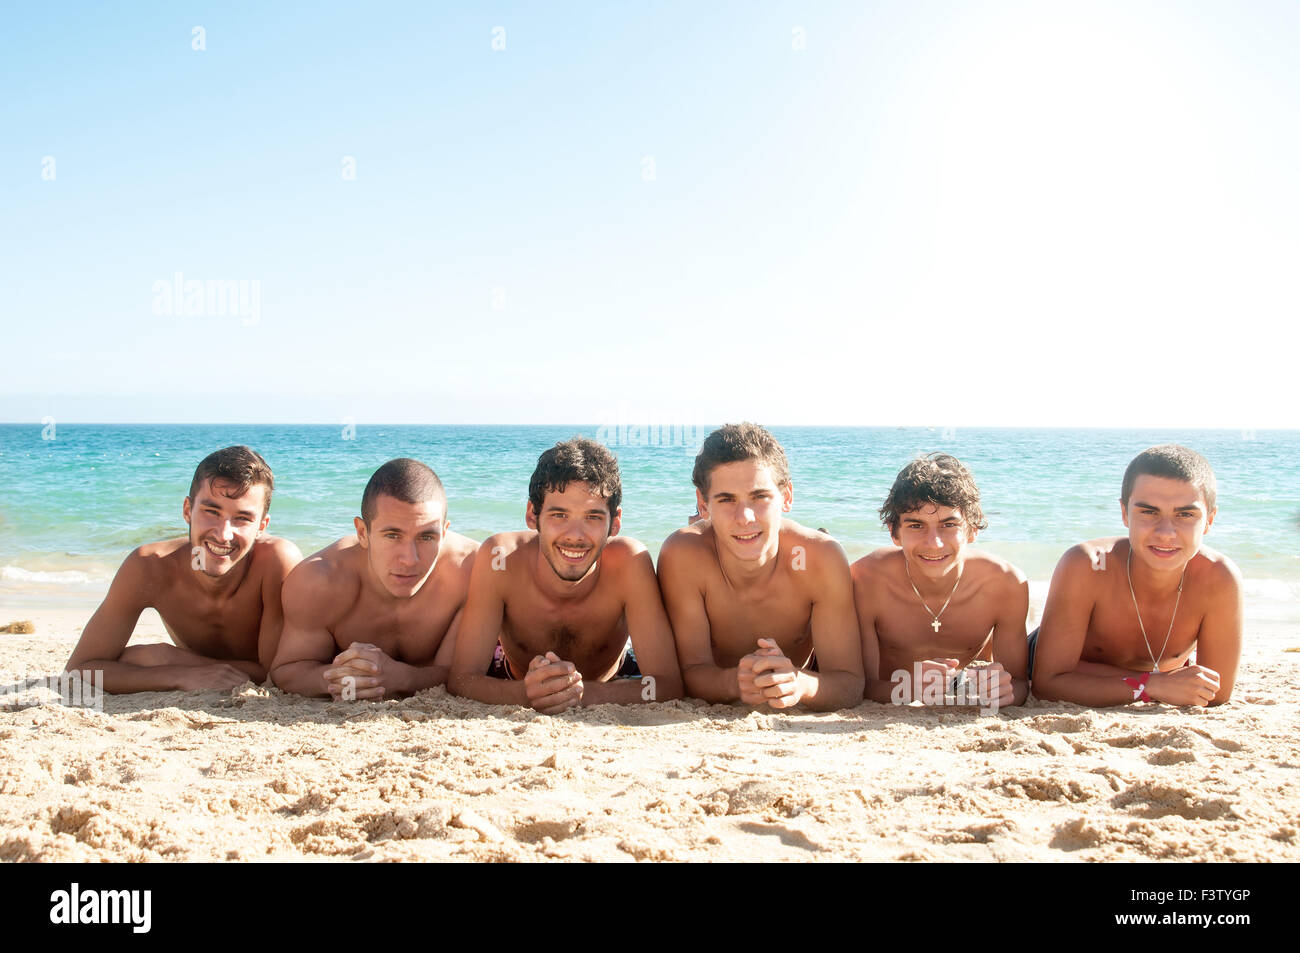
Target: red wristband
[{"x": 1139, "y": 686}]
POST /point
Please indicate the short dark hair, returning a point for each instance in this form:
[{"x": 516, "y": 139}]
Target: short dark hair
[
  {"x": 241, "y": 467},
  {"x": 938, "y": 479},
  {"x": 1175, "y": 462},
  {"x": 577, "y": 460},
  {"x": 735, "y": 442},
  {"x": 403, "y": 479}
]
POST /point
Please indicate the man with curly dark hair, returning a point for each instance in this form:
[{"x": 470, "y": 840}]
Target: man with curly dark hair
[
  {"x": 552, "y": 608},
  {"x": 930, "y": 604}
]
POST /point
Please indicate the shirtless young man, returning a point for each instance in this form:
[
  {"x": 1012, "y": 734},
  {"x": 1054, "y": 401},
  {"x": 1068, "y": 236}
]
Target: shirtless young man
[
  {"x": 931, "y": 606},
  {"x": 1124, "y": 615},
  {"x": 752, "y": 594},
  {"x": 374, "y": 615},
  {"x": 561, "y": 599},
  {"x": 217, "y": 590}
]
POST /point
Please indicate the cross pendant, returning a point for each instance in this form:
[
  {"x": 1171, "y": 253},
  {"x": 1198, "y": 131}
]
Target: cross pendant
[{"x": 935, "y": 625}]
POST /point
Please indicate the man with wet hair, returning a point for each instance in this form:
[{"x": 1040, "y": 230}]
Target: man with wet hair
[
  {"x": 1125, "y": 614},
  {"x": 375, "y": 614},
  {"x": 217, "y": 590},
  {"x": 931, "y": 604},
  {"x": 761, "y": 607},
  {"x": 552, "y": 609}
]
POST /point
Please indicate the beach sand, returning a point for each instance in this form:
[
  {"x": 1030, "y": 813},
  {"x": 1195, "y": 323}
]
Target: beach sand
[{"x": 256, "y": 775}]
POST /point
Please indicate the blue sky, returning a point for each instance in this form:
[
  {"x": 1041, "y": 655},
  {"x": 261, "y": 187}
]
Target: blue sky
[{"x": 930, "y": 213}]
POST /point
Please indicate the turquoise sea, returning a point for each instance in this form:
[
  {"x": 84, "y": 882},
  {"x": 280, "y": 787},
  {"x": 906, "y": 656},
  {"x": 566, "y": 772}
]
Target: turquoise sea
[{"x": 75, "y": 499}]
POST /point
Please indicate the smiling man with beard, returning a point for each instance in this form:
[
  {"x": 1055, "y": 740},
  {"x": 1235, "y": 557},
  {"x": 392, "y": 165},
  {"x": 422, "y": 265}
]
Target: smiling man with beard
[
  {"x": 1125, "y": 614},
  {"x": 753, "y": 595},
  {"x": 217, "y": 590},
  {"x": 375, "y": 614},
  {"x": 551, "y": 608}
]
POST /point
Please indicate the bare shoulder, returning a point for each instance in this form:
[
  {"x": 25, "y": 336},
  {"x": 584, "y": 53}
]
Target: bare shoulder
[
  {"x": 1219, "y": 572},
  {"x": 689, "y": 544},
  {"x": 326, "y": 583},
  {"x": 147, "y": 573},
  {"x": 623, "y": 553},
  {"x": 504, "y": 544},
  {"x": 1082, "y": 560},
  {"x": 457, "y": 550},
  {"x": 153, "y": 562},
  {"x": 276, "y": 551},
  {"x": 818, "y": 552},
  {"x": 994, "y": 571},
  {"x": 875, "y": 565}
]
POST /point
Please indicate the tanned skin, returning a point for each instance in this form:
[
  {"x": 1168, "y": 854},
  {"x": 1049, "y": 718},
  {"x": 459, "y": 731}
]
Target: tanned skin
[
  {"x": 375, "y": 614},
  {"x": 752, "y": 594},
  {"x": 1090, "y": 640},
  {"x": 563, "y": 598},
  {"x": 987, "y": 610},
  {"x": 217, "y": 591}
]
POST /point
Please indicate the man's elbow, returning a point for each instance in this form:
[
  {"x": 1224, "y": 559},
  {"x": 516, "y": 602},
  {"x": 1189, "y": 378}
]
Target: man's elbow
[
  {"x": 281, "y": 677},
  {"x": 696, "y": 682},
  {"x": 838, "y": 690},
  {"x": 458, "y": 680},
  {"x": 666, "y": 688},
  {"x": 1047, "y": 688}
]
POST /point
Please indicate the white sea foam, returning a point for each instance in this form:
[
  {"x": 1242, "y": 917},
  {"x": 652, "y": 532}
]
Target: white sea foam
[
  {"x": 1277, "y": 590},
  {"x": 66, "y": 577}
]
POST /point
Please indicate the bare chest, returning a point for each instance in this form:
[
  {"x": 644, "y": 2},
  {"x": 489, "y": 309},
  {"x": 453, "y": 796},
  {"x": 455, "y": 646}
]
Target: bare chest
[
  {"x": 591, "y": 633},
  {"x": 1115, "y": 636},
  {"x": 225, "y": 627},
  {"x": 739, "y": 618},
  {"x": 409, "y": 630},
  {"x": 908, "y": 631}
]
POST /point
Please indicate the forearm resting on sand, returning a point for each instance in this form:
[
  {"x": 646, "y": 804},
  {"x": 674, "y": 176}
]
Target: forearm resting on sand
[
  {"x": 633, "y": 691},
  {"x": 306, "y": 677},
  {"x": 485, "y": 688},
  {"x": 122, "y": 678},
  {"x": 1092, "y": 683},
  {"x": 831, "y": 690},
  {"x": 710, "y": 683}
]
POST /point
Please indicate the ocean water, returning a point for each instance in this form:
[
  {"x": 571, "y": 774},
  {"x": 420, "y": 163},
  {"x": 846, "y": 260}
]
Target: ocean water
[{"x": 73, "y": 506}]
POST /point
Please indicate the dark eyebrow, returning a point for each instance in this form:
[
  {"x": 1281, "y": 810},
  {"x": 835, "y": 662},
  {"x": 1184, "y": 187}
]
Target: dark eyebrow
[
  {"x": 1177, "y": 509},
  {"x": 389, "y": 529},
  {"x": 208, "y": 501}
]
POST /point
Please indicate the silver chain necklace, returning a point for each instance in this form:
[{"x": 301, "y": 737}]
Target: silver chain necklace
[
  {"x": 936, "y": 623},
  {"x": 1128, "y": 570}
]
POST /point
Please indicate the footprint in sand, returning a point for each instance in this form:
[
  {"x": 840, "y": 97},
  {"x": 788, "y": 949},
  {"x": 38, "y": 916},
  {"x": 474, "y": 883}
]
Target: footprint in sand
[
  {"x": 1058, "y": 724},
  {"x": 1153, "y": 799},
  {"x": 535, "y": 830}
]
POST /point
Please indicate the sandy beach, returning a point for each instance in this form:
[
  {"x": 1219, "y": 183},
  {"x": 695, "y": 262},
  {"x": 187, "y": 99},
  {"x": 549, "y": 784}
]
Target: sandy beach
[{"x": 257, "y": 775}]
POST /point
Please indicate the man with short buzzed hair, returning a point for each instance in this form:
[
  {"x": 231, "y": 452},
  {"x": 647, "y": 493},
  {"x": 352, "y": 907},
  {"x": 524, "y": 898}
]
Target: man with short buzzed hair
[
  {"x": 375, "y": 614},
  {"x": 1124, "y": 615}
]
